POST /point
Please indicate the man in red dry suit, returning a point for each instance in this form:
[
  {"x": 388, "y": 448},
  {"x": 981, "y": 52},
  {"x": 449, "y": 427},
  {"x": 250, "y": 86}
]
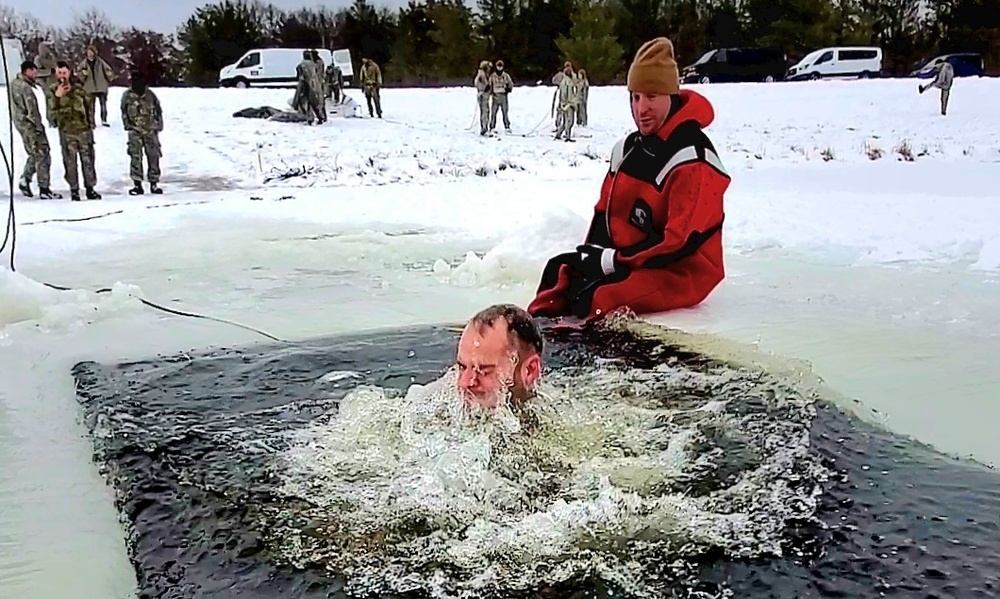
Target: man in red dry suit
[{"x": 655, "y": 243}]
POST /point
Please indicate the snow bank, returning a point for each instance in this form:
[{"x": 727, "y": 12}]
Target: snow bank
[{"x": 23, "y": 300}]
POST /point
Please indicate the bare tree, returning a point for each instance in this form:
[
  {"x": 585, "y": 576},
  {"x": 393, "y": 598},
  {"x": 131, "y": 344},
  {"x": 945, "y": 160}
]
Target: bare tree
[
  {"x": 92, "y": 27},
  {"x": 23, "y": 27}
]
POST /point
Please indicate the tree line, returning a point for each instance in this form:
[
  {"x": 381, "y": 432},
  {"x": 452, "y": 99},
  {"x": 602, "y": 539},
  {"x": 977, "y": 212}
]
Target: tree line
[{"x": 433, "y": 42}]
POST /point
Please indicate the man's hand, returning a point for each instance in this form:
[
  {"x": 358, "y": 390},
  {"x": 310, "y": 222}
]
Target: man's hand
[
  {"x": 62, "y": 90},
  {"x": 597, "y": 261}
]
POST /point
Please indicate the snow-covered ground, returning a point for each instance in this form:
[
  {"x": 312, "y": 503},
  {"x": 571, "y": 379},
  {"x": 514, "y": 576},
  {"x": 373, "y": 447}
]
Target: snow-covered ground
[{"x": 863, "y": 235}]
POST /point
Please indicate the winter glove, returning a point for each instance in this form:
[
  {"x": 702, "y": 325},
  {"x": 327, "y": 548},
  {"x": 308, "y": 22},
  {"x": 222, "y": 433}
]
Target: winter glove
[{"x": 597, "y": 262}]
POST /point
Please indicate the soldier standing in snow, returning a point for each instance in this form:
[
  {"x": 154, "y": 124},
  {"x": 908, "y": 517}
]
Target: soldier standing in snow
[
  {"x": 306, "y": 89},
  {"x": 142, "y": 118},
  {"x": 584, "y": 92},
  {"x": 568, "y": 99},
  {"x": 943, "y": 80},
  {"x": 321, "y": 80},
  {"x": 500, "y": 85},
  {"x": 556, "y": 80},
  {"x": 482, "y": 83},
  {"x": 67, "y": 110},
  {"x": 97, "y": 76},
  {"x": 28, "y": 122},
  {"x": 371, "y": 84}
]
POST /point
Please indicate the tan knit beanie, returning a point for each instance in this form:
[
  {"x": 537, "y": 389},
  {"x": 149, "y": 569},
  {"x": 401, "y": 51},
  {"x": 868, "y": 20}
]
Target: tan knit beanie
[{"x": 654, "y": 70}]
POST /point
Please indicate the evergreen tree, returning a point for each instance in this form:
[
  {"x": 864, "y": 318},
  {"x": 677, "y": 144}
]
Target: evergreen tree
[
  {"x": 216, "y": 36},
  {"x": 592, "y": 43}
]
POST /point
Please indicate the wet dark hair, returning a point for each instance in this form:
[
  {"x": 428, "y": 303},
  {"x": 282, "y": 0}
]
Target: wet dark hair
[
  {"x": 62, "y": 64},
  {"x": 27, "y": 66},
  {"x": 521, "y": 326}
]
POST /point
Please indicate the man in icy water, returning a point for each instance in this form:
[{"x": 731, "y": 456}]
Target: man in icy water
[{"x": 499, "y": 353}]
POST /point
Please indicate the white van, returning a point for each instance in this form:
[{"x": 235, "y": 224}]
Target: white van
[
  {"x": 851, "y": 61},
  {"x": 14, "y": 53},
  {"x": 275, "y": 67}
]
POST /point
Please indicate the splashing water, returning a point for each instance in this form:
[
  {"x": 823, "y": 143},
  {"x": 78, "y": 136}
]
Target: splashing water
[{"x": 612, "y": 474}]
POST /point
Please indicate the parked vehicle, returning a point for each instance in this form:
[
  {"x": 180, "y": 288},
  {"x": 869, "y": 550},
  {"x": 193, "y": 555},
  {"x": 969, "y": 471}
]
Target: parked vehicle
[
  {"x": 737, "y": 64},
  {"x": 854, "y": 61},
  {"x": 14, "y": 53},
  {"x": 275, "y": 67},
  {"x": 967, "y": 64}
]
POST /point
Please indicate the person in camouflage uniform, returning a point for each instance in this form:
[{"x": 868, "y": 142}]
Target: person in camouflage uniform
[
  {"x": 568, "y": 100},
  {"x": 371, "y": 84},
  {"x": 67, "y": 110},
  {"x": 305, "y": 92},
  {"x": 97, "y": 76},
  {"x": 482, "y": 82},
  {"x": 142, "y": 118},
  {"x": 28, "y": 122},
  {"x": 334, "y": 82},
  {"x": 556, "y": 79},
  {"x": 321, "y": 81},
  {"x": 583, "y": 89},
  {"x": 944, "y": 78},
  {"x": 500, "y": 85}
]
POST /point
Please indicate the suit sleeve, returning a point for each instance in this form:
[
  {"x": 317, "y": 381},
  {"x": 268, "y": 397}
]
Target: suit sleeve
[{"x": 694, "y": 194}]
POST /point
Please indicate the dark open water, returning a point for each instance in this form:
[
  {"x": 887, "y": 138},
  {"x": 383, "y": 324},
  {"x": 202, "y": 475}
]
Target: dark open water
[{"x": 186, "y": 442}]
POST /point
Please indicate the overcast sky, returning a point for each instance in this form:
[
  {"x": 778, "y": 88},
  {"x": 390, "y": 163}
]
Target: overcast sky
[{"x": 159, "y": 15}]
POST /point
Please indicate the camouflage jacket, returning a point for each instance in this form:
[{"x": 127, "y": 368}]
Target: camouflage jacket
[
  {"x": 24, "y": 105},
  {"x": 482, "y": 82},
  {"x": 569, "y": 92},
  {"x": 142, "y": 113},
  {"x": 307, "y": 72},
  {"x": 501, "y": 83},
  {"x": 371, "y": 76},
  {"x": 96, "y": 79},
  {"x": 945, "y": 76},
  {"x": 334, "y": 76},
  {"x": 69, "y": 113}
]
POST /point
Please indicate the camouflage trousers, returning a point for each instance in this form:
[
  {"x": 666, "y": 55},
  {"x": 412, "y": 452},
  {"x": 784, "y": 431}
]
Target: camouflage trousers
[
  {"x": 148, "y": 143},
  {"x": 484, "y": 112},
  {"x": 321, "y": 105},
  {"x": 335, "y": 92},
  {"x": 372, "y": 95},
  {"x": 78, "y": 146},
  {"x": 306, "y": 102},
  {"x": 566, "y": 121},
  {"x": 581, "y": 113},
  {"x": 499, "y": 103},
  {"x": 39, "y": 157},
  {"x": 92, "y": 101}
]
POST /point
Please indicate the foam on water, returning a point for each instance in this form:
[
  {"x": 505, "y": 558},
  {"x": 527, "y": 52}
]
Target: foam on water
[{"x": 613, "y": 474}]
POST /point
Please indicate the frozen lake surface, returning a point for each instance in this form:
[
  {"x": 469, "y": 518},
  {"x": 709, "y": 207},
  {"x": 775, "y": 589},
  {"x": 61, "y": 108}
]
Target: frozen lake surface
[{"x": 882, "y": 274}]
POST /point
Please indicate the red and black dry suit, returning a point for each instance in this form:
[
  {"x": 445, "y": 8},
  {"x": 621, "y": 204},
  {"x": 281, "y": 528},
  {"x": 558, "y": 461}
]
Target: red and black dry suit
[{"x": 660, "y": 214}]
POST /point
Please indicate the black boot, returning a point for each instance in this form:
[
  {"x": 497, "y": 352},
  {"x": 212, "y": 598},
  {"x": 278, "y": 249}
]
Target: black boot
[
  {"x": 74, "y": 195},
  {"x": 136, "y": 189},
  {"x": 25, "y": 188},
  {"x": 93, "y": 195},
  {"x": 45, "y": 193},
  {"x": 155, "y": 189}
]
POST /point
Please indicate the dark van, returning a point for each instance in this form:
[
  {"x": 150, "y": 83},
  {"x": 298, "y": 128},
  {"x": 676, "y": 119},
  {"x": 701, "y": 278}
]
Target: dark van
[
  {"x": 737, "y": 64},
  {"x": 965, "y": 64}
]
